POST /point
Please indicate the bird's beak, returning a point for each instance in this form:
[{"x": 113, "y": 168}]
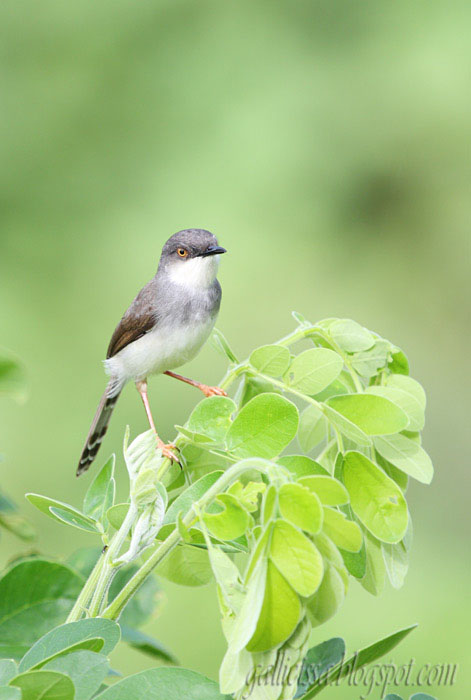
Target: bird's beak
[{"x": 213, "y": 250}]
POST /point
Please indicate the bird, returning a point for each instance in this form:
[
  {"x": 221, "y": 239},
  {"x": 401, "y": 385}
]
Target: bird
[{"x": 164, "y": 328}]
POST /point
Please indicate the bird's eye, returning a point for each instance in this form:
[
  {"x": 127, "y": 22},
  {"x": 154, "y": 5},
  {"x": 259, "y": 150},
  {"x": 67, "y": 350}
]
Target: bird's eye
[{"x": 182, "y": 252}]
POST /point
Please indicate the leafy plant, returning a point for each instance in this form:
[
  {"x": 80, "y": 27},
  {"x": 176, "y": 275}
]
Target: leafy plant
[{"x": 282, "y": 529}]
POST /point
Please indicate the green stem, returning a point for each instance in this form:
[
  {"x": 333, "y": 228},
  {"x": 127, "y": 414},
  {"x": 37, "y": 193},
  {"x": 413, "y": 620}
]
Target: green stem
[
  {"x": 87, "y": 591},
  {"x": 115, "y": 608},
  {"x": 108, "y": 570}
]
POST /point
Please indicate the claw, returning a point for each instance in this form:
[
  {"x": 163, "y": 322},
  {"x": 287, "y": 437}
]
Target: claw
[
  {"x": 167, "y": 450},
  {"x": 212, "y": 390}
]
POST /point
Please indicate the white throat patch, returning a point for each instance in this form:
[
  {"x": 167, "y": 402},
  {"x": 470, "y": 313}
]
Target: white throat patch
[{"x": 196, "y": 273}]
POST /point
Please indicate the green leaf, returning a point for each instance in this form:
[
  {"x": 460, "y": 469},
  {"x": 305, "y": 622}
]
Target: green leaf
[
  {"x": 18, "y": 526},
  {"x": 313, "y": 370},
  {"x": 75, "y": 519},
  {"x": 186, "y": 565},
  {"x": 248, "y": 495},
  {"x": 12, "y": 377},
  {"x": 330, "y": 491},
  {"x": 329, "y": 597},
  {"x": 231, "y": 522},
  {"x": 301, "y": 466},
  {"x": 406, "y": 455},
  {"x": 44, "y": 685},
  {"x": 61, "y": 639},
  {"x": 399, "y": 363},
  {"x": 375, "y": 576},
  {"x": 396, "y": 561},
  {"x": 251, "y": 387},
  {"x": 116, "y": 514},
  {"x": 300, "y": 507},
  {"x": 374, "y": 415},
  {"x": 269, "y": 504},
  {"x": 264, "y": 427},
  {"x": 375, "y": 498},
  {"x": 345, "y": 426},
  {"x": 406, "y": 401},
  {"x": 296, "y": 558},
  {"x": 86, "y": 670},
  {"x": 35, "y": 596},
  {"x": 95, "y": 500},
  {"x": 164, "y": 684},
  {"x": 312, "y": 428},
  {"x": 279, "y": 615},
  {"x": 369, "y": 362},
  {"x": 362, "y": 658},
  {"x": 45, "y": 504},
  {"x": 271, "y": 359},
  {"x": 146, "y": 644},
  {"x": 344, "y": 533},
  {"x": 350, "y": 336},
  {"x": 341, "y": 385},
  {"x": 318, "y": 661},
  {"x": 220, "y": 343},
  {"x": 421, "y": 696},
  {"x": 212, "y": 417},
  {"x": 355, "y": 562},
  {"x": 246, "y": 621},
  {"x": 9, "y": 693},
  {"x": 193, "y": 493},
  {"x": 8, "y": 669}
]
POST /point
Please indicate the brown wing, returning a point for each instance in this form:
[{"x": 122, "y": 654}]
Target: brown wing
[{"x": 138, "y": 320}]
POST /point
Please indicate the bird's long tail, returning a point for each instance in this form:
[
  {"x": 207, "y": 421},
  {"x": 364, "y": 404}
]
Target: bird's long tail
[{"x": 97, "y": 431}]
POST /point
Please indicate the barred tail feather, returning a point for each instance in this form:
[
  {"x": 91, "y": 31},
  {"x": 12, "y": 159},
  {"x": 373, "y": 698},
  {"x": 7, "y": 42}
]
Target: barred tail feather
[{"x": 97, "y": 431}]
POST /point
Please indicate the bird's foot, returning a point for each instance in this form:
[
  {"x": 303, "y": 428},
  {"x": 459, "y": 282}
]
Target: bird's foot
[
  {"x": 211, "y": 390},
  {"x": 166, "y": 450}
]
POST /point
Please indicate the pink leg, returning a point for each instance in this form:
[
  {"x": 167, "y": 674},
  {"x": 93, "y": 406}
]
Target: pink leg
[
  {"x": 166, "y": 449},
  {"x": 207, "y": 390}
]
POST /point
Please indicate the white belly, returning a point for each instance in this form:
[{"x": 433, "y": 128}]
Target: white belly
[{"x": 159, "y": 350}]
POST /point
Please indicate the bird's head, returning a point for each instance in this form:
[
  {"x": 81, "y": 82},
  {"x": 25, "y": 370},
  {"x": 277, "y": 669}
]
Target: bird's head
[{"x": 191, "y": 257}]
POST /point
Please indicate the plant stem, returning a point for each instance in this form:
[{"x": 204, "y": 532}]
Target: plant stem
[
  {"x": 115, "y": 608},
  {"x": 108, "y": 570},
  {"x": 86, "y": 592}
]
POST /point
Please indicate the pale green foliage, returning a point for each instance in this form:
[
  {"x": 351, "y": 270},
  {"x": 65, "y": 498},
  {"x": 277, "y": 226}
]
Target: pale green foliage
[{"x": 303, "y": 524}]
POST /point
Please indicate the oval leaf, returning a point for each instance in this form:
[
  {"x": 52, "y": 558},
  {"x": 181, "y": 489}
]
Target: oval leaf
[
  {"x": 344, "y": 533},
  {"x": 66, "y": 636},
  {"x": 231, "y": 522},
  {"x": 300, "y": 507},
  {"x": 44, "y": 685},
  {"x": 406, "y": 455},
  {"x": 330, "y": 491},
  {"x": 212, "y": 417},
  {"x": 271, "y": 359},
  {"x": 296, "y": 558},
  {"x": 279, "y": 615},
  {"x": 313, "y": 370},
  {"x": 375, "y": 498},
  {"x": 345, "y": 426},
  {"x": 35, "y": 596},
  {"x": 164, "y": 684},
  {"x": 374, "y": 415},
  {"x": 264, "y": 427},
  {"x": 350, "y": 336},
  {"x": 312, "y": 428}
]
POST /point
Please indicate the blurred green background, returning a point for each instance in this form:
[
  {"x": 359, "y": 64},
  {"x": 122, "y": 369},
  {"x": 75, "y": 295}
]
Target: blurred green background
[{"x": 327, "y": 145}]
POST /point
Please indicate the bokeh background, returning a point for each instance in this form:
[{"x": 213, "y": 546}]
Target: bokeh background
[{"x": 327, "y": 144}]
